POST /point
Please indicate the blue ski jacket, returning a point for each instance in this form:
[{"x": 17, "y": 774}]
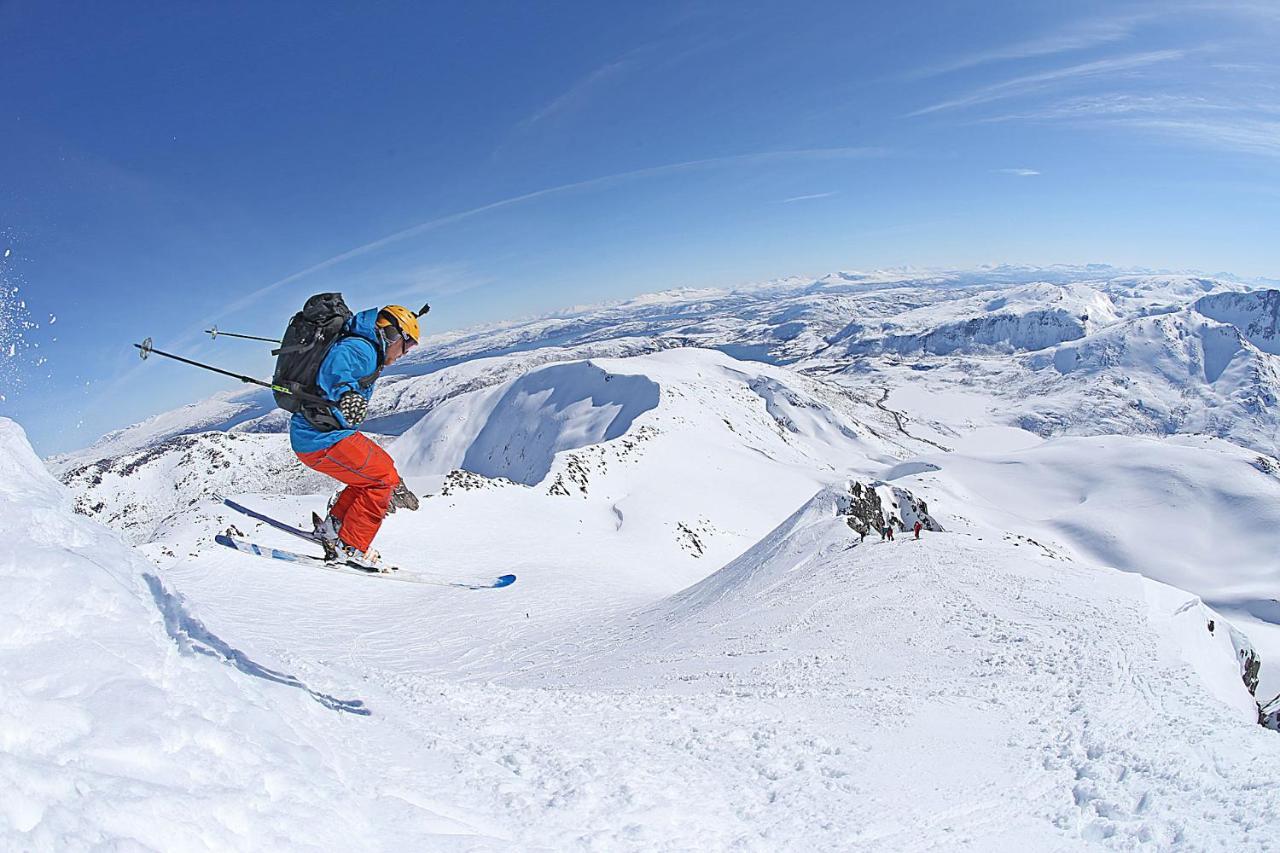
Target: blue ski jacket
[{"x": 348, "y": 361}]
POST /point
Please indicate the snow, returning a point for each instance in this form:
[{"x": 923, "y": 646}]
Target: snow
[
  {"x": 700, "y": 652},
  {"x": 813, "y": 692},
  {"x": 515, "y": 430},
  {"x": 112, "y": 736},
  {"x": 1256, "y": 314},
  {"x": 814, "y": 324}
]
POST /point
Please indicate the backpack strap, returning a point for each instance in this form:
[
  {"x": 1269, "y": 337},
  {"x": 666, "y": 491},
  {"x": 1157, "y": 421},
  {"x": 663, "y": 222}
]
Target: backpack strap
[
  {"x": 367, "y": 381},
  {"x": 322, "y": 417}
]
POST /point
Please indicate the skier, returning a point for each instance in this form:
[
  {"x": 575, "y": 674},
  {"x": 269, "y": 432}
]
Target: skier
[
  {"x": 371, "y": 340},
  {"x": 888, "y": 529},
  {"x": 918, "y": 527}
]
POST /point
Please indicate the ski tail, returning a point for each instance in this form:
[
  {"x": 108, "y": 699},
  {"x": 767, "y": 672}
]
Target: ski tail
[{"x": 266, "y": 519}]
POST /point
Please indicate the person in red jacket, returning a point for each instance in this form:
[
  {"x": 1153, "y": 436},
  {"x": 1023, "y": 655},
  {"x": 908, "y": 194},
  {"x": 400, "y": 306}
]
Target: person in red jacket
[{"x": 918, "y": 528}]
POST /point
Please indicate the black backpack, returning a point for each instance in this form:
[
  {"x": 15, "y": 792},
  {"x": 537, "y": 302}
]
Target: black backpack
[{"x": 307, "y": 340}]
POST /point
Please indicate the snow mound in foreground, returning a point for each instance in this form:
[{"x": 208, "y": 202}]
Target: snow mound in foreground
[{"x": 111, "y": 735}]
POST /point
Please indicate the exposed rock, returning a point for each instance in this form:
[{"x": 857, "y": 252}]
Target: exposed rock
[
  {"x": 871, "y": 507},
  {"x": 864, "y": 512},
  {"x": 466, "y": 481},
  {"x": 690, "y": 536},
  {"x": 575, "y": 472}
]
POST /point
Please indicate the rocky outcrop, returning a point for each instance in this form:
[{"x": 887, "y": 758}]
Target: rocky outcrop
[
  {"x": 870, "y": 507},
  {"x": 864, "y": 512}
]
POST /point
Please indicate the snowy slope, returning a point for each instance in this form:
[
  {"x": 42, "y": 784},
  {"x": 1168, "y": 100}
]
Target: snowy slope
[
  {"x": 127, "y": 724},
  {"x": 1174, "y": 373},
  {"x": 1197, "y": 513},
  {"x": 813, "y": 694},
  {"x": 1256, "y": 315},
  {"x": 702, "y": 654},
  {"x": 136, "y": 493},
  {"x": 1017, "y": 319},
  {"x": 947, "y": 691}
]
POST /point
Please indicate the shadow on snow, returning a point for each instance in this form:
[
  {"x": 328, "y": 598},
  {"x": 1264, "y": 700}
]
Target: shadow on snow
[{"x": 193, "y": 637}]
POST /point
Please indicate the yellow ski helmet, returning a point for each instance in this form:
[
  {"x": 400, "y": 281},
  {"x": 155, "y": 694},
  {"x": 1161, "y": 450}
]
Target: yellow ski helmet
[{"x": 403, "y": 319}]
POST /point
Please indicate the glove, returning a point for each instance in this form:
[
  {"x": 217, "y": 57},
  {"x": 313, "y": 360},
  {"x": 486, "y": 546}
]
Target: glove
[
  {"x": 402, "y": 498},
  {"x": 353, "y": 407}
]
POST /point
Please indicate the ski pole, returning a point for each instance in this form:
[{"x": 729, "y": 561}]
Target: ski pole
[
  {"x": 215, "y": 331},
  {"x": 147, "y": 349}
]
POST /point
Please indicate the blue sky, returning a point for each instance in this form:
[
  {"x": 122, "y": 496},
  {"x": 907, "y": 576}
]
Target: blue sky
[{"x": 178, "y": 164}]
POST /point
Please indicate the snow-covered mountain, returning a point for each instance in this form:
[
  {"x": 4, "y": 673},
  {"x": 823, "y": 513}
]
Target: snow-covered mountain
[
  {"x": 1256, "y": 315},
  {"x": 961, "y": 325},
  {"x": 709, "y": 645}
]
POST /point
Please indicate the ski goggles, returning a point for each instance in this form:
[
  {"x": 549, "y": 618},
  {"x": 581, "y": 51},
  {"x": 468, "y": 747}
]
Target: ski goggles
[{"x": 409, "y": 341}]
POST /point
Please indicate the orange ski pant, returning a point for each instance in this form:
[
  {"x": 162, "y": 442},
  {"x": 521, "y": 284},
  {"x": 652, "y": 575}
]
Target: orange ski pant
[{"x": 370, "y": 476}]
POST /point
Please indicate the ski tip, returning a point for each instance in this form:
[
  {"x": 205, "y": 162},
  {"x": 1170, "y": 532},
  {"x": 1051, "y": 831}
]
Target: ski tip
[
  {"x": 224, "y": 539},
  {"x": 505, "y": 580}
]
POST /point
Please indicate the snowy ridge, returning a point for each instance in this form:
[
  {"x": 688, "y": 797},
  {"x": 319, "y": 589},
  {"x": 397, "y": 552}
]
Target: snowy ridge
[
  {"x": 1256, "y": 315},
  {"x": 1019, "y": 319},
  {"x": 515, "y": 430},
  {"x": 1168, "y": 374}
]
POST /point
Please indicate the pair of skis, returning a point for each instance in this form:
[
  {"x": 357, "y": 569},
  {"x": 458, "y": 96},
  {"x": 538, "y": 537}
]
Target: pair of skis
[{"x": 348, "y": 567}]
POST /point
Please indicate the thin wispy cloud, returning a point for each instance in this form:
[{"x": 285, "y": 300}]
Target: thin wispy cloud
[
  {"x": 1076, "y": 37},
  {"x": 591, "y": 85},
  {"x": 1030, "y": 83},
  {"x": 1235, "y": 125},
  {"x": 1252, "y": 136},
  {"x": 808, "y": 197},
  {"x": 194, "y": 332},
  {"x": 1116, "y": 104},
  {"x": 1099, "y": 32},
  {"x": 605, "y": 181},
  {"x": 1020, "y": 173},
  {"x": 577, "y": 94}
]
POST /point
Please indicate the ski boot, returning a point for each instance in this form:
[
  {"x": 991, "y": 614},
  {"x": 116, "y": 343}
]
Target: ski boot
[
  {"x": 369, "y": 561},
  {"x": 326, "y": 531}
]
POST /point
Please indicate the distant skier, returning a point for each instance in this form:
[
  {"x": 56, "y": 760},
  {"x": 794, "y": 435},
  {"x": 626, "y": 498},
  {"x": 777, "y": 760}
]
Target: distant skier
[
  {"x": 328, "y": 440},
  {"x": 918, "y": 528},
  {"x": 888, "y": 529},
  {"x": 884, "y": 532}
]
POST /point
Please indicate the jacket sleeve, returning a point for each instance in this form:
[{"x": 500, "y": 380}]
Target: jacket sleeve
[{"x": 349, "y": 361}]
